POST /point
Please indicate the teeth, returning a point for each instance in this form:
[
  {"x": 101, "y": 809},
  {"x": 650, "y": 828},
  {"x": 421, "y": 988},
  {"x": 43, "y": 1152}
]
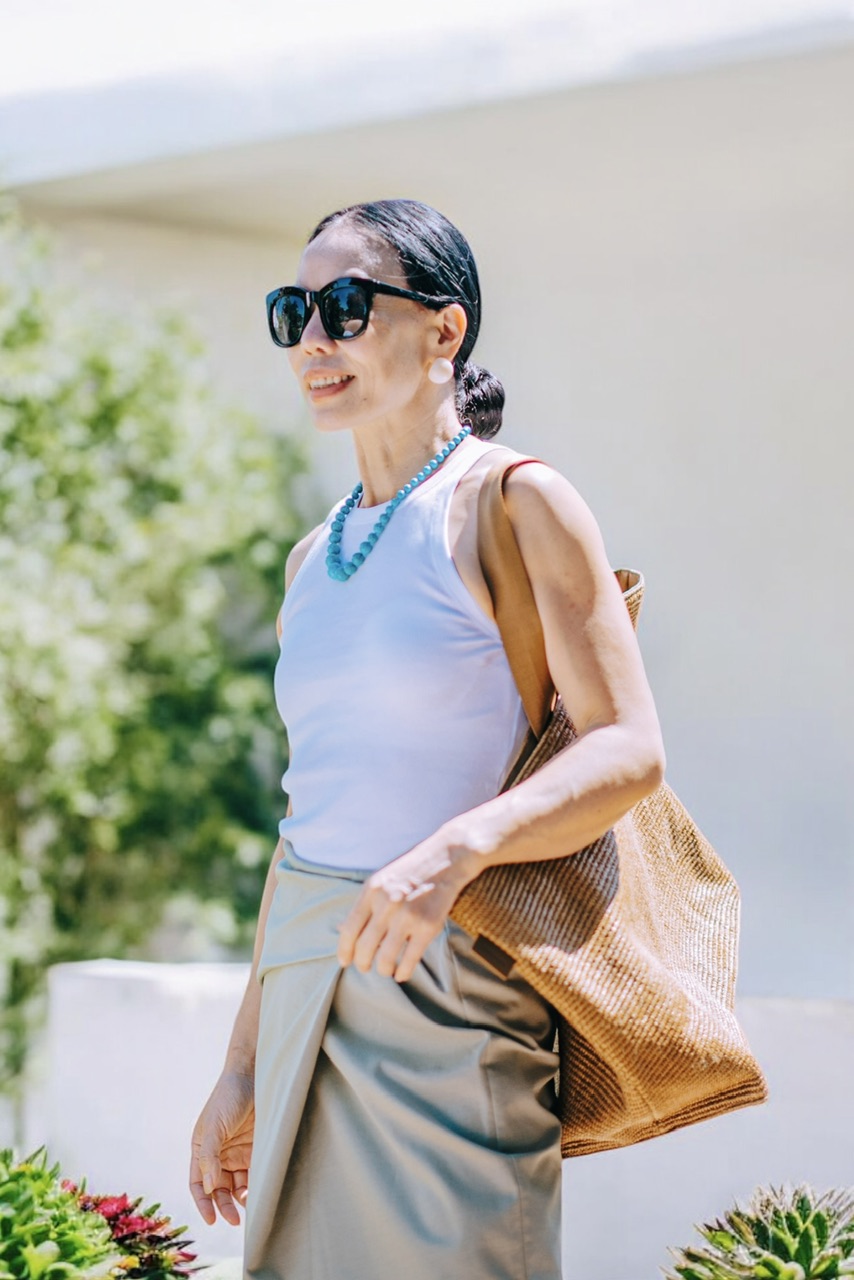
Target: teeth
[{"x": 315, "y": 383}]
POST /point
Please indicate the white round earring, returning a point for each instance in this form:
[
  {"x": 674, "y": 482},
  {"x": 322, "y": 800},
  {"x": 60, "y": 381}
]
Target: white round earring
[{"x": 441, "y": 370}]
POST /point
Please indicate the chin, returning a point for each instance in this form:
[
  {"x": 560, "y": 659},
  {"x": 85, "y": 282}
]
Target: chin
[{"x": 330, "y": 423}]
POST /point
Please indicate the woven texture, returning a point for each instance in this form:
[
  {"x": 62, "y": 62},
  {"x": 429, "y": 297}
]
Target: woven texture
[{"x": 633, "y": 940}]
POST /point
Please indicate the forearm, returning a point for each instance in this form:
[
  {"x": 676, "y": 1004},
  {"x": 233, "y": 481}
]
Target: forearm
[
  {"x": 573, "y": 799},
  {"x": 240, "y": 1055}
]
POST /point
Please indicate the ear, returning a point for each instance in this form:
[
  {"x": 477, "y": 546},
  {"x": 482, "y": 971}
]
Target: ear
[{"x": 449, "y": 331}]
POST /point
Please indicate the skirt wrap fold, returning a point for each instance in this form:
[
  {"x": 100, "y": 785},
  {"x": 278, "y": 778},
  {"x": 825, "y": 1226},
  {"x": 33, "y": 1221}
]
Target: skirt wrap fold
[{"x": 401, "y": 1129}]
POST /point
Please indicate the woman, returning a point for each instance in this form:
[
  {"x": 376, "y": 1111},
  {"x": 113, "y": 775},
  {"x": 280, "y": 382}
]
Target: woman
[{"x": 399, "y": 1093}]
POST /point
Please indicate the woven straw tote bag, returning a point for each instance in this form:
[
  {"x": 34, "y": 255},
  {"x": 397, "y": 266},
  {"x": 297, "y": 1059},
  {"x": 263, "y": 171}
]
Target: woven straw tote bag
[{"x": 633, "y": 940}]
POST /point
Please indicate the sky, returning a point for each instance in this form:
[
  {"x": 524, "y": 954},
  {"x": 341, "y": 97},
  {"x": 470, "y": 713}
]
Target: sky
[
  {"x": 50, "y": 44},
  {"x": 62, "y": 44}
]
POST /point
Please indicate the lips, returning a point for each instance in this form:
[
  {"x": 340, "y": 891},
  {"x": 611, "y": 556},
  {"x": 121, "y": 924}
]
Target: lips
[{"x": 324, "y": 381}]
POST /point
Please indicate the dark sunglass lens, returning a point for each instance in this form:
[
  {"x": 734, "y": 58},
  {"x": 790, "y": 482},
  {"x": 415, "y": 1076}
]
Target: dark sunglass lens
[
  {"x": 346, "y": 310},
  {"x": 289, "y": 318}
]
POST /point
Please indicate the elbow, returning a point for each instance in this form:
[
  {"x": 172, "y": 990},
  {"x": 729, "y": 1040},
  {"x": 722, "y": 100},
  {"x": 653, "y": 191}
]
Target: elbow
[
  {"x": 644, "y": 763},
  {"x": 653, "y": 765}
]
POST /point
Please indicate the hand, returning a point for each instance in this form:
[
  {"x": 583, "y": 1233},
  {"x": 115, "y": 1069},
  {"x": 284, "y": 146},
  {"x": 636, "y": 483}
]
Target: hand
[
  {"x": 403, "y": 906},
  {"x": 222, "y": 1148}
]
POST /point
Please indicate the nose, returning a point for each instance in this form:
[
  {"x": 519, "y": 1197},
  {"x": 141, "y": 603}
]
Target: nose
[{"x": 314, "y": 337}]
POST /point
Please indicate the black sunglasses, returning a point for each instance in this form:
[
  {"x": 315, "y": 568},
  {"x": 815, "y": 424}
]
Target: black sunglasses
[{"x": 344, "y": 306}]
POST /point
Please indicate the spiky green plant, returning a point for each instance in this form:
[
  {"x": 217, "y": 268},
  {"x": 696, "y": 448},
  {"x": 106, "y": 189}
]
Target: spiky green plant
[{"x": 784, "y": 1234}]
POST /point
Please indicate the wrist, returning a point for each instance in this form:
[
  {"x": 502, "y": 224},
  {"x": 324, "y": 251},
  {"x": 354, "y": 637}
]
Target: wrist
[
  {"x": 243, "y": 1075},
  {"x": 470, "y": 848},
  {"x": 240, "y": 1060}
]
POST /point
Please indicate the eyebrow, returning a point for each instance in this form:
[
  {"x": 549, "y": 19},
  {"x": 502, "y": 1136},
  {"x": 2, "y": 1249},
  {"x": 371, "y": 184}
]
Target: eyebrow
[{"x": 359, "y": 275}]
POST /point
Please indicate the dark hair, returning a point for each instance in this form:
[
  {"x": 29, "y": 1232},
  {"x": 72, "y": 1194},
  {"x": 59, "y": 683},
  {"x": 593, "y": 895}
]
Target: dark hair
[{"x": 437, "y": 259}]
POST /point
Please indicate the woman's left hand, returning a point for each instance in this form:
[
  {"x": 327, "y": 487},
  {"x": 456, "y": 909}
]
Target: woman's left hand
[{"x": 404, "y": 905}]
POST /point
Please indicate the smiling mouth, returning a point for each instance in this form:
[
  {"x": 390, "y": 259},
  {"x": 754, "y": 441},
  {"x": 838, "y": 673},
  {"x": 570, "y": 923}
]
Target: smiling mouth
[{"x": 317, "y": 384}]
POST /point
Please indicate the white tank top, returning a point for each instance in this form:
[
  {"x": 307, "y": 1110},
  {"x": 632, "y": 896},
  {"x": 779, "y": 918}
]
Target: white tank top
[{"x": 394, "y": 687}]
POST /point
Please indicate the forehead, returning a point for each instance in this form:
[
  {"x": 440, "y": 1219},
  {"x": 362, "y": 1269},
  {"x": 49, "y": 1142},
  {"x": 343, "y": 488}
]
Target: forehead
[{"x": 346, "y": 250}]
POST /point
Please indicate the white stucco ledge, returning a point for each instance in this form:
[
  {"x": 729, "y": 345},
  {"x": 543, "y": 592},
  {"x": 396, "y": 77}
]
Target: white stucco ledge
[
  {"x": 134, "y": 1048},
  {"x": 227, "y": 1269},
  {"x": 331, "y": 79}
]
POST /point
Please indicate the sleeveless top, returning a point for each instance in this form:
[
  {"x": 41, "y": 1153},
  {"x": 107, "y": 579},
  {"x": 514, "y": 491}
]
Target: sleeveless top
[{"x": 399, "y": 704}]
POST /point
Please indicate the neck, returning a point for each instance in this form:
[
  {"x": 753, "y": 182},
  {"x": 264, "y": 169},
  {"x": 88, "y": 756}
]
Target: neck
[{"x": 387, "y": 458}]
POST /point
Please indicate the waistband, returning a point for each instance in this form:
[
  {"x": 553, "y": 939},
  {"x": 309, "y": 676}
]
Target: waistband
[{"x": 290, "y": 858}]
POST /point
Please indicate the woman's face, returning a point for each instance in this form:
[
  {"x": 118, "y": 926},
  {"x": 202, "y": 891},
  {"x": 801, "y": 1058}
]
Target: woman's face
[{"x": 383, "y": 371}]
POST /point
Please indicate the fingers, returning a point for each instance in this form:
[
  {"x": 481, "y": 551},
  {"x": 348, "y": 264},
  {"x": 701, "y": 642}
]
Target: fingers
[
  {"x": 201, "y": 1181},
  {"x": 395, "y": 948},
  {"x": 368, "y": 942},
  {"x": 204, "y": 1204},
  {"x": 209, "y": 1168},
  {"x": 410, "y": 960},
  {"x": 222, "y": 1198},
  {"x": 389, "y": 952},
  {"x": 226, "y": 1205},
  {"x": 365, "y": 927},
  {"x": 212, "y": 1187},
  {"x": 357, "y": 918},
  {"x": 393, "y": 926},
  {"x": 399, "y": 956}
]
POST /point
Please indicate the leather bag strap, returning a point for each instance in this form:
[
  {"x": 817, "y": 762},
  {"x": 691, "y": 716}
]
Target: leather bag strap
[{"x": 513, "y": 597}]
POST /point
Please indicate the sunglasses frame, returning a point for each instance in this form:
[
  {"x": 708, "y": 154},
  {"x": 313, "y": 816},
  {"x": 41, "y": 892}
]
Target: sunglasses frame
[{"x": 317, "y": 297}]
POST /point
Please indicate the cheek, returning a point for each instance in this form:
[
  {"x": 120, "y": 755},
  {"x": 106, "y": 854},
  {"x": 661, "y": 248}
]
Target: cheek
[
  {"x": 399, "y": 362},
  {"x": 394, "y": 383}
]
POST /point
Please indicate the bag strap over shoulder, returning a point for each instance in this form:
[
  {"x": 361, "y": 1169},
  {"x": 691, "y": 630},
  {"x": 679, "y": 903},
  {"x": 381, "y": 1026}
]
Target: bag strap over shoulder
[{"x": 513, "y": 597}]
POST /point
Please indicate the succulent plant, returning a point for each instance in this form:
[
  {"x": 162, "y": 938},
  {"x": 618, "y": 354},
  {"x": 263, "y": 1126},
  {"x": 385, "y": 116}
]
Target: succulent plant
[
  {"x": 52, "y": 1229},
  {"x": 784, "y": 1234},
  {"x": 44, "y": 1233}
]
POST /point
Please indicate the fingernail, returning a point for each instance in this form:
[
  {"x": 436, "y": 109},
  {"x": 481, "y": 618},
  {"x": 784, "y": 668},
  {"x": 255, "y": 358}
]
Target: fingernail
[{"x": 208, "y": 1186}]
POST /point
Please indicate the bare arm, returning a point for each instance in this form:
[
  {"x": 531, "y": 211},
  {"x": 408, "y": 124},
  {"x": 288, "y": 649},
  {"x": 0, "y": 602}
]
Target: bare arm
[
  {"x": 221, "y": 1147},
  {"x": 596, "y": 665},
  {"x": 240, "y": 1055}
]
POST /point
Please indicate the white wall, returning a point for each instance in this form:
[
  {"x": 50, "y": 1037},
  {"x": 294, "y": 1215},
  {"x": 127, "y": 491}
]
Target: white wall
[
  {"x": 135, "y": 1048},
  {"x": 132, "y": 1053},
  {"x": 703, "y": 407}
]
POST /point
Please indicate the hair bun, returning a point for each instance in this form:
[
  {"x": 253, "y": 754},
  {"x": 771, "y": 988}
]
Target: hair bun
[{"x": 480, "y": 400}]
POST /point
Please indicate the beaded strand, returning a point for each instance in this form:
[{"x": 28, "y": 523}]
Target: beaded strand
[{"x": 340, "y": 569}]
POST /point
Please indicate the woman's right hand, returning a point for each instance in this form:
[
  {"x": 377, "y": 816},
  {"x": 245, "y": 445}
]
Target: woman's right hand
[{"x": 222, "y": 1148}]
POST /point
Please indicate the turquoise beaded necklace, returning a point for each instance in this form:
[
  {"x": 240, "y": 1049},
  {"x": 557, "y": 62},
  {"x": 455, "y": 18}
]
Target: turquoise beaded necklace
[{"x": 340, "y": 569}]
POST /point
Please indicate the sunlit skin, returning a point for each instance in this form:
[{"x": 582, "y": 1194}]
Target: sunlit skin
[{"x": 399, "y": 419}]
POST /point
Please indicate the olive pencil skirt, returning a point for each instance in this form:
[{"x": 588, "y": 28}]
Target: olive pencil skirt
[{"x": 402, "y": 1129}]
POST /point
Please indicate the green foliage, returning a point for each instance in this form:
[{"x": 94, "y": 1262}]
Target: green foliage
[
  {"x": 784, "y": 1234},
  {"x": 143, "y": 534},
  {"x": 44, "y": 1233}
]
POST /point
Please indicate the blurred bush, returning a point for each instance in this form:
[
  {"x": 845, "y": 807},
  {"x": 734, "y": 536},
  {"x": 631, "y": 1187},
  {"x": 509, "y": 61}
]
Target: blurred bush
[{"x": 143, "y": 534}]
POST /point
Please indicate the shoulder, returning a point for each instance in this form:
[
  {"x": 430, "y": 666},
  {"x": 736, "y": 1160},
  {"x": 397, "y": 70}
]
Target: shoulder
[
  {"x": 542, "y": 503},
  {"x": 298, "y": 553},
  {"x": 558, "y": 537}
]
